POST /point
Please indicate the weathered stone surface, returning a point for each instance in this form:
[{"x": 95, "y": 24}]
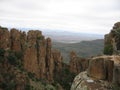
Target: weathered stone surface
[
  {"x": 49, "y": 60},
  {"x": 15, "y": 37},
  {"x": 57, "y": 60},
  {"x": 23, "y": 39},
  {"x": 96, "y": 68},
  {"x": 30, "y": 54},
  {"x": 77, "y": 64},
  {"x": 116, "y": 78},
  {"x": 4, "y": 38},
  {"x": 101, "y": 68},
  {"x": 109, "y": 66},
  {"x": 35, "y": 51},
  {"x": 83, "y": 82},
  {"x": 41, "y": 47},
  {"x": 73, "y": 66}
]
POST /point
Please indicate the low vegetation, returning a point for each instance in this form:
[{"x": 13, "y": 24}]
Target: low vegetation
[{"x": 108, "y": 50}]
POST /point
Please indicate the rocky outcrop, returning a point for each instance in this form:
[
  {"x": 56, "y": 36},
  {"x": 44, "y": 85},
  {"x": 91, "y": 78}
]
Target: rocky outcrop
[
  {"x": 83, "y": 82},
  {"x": 15, "y": 37},
  {"x": 49, "y": 59},
  {"x": 57, "y": 60},
  {"x": 77, "y": 64},
  {"x": 112, "y": 43},
  {"x": 103, "y": 71},
  {"x": 31, "y": 60},
  {"x": 33, "y": 51},
  {"x": 4, "y": 38},
  {"x": 116, "y": 78},
  {"x": 113, "y": 39},
  {"x": 98, "y": 76}
]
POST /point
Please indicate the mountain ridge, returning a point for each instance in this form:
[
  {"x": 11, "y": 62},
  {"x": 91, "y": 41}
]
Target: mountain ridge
[{"x": 83, "y": 48}]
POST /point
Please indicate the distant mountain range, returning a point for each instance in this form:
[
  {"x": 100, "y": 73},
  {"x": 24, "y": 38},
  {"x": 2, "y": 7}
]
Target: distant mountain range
[
  {"x": 70, "y": 37},
  {"x": 64, "y": 36},
  {"x": 83, "y": 48}
]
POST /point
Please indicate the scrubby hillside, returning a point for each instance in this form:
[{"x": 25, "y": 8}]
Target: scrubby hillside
[{"x": 83, "y": 49}]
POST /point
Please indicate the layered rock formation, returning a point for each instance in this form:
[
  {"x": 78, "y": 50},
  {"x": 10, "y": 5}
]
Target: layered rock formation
[
  {"x": 77, "y": 64},
  {"x": 34, "y": 51}
]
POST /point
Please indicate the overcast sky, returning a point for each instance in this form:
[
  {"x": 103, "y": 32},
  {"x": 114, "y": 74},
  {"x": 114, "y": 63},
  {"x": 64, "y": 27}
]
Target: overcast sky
[{"x": 91, "y": 16}]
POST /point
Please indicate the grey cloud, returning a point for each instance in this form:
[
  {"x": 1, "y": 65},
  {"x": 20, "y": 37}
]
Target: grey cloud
[{"x": 76, "y": 15}]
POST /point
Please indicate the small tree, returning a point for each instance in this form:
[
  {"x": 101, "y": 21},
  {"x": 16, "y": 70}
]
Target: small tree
[
  {"x": 12, "y": 59},
  {"x": 108, "y": 50}
]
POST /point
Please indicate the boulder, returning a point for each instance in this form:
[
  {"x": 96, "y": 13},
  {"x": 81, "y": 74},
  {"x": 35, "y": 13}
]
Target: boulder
[
  {"x": 83, "y": 82},
  {"x": 101, "y": 69}
]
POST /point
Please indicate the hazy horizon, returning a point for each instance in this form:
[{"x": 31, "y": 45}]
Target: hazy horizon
[{"x": 83, "y": 16}]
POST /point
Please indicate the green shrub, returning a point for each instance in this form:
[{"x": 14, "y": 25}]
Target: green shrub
[
  {"x": 108, "y": 50},
  {"x": 12, "y": 59},
  {"x": 65, "y": 78},
  {"x": 39, "y": 38},
  {"x": 116, "y": 87},
  {"x": 2, "y": 52},
  {"x": 19, "y": 54},
  {"x": 31, "y": 75},
  {"x": 8, "y": 86}
]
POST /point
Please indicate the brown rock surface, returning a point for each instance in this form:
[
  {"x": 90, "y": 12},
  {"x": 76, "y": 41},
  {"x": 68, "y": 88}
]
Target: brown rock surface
[
  {"x": 101, "y": 68},
  {"x": 41, "y": 55},
  {"x": 33, "y": 50},
  {"x": 49, "y": 60},
  {"x": 30, "y": 54},
  {"x": 15, "y": 37},
  {"x": 77, "y": 64},
  {"x": 57, "y": 60},
  {"x": 4, "y": 38},
  {"x": 83, "y": 82},
  {"x": 116, "y": 78},
  {"x": 96, "y": 68}
]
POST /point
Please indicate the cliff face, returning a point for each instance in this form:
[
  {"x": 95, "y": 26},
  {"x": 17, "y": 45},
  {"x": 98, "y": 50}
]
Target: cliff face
[
  {"x": 113, "y": 39},
  {"x": 112, "y": 43},
  {"x": 34, "y": 50}
]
